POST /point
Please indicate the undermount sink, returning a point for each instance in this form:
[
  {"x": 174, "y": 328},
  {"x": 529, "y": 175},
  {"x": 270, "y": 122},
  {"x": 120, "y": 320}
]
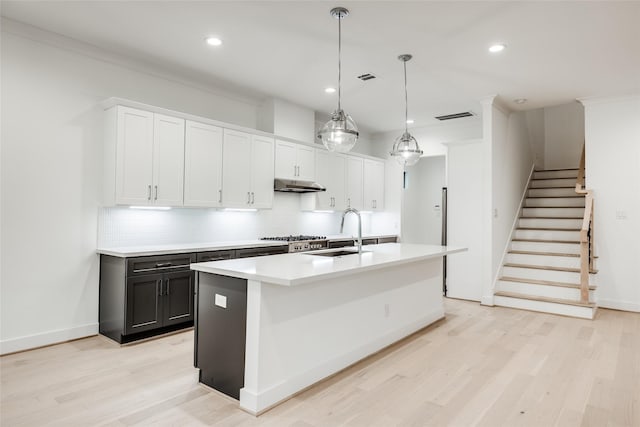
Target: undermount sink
[{"x": 336, "y": 253}]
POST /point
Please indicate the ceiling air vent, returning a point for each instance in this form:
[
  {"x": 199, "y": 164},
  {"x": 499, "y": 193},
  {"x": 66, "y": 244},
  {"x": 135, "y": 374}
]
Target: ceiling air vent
[
  {"x": 367, "y": 76},
  {"x": 455, "y": 116}
]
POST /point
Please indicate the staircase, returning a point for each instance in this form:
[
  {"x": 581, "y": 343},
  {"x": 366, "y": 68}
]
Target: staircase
[{"x": 541, "y": 271}]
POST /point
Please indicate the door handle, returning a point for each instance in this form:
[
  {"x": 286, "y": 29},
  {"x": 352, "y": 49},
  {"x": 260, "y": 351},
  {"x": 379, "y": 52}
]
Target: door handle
[
  {"x": 156, "y": 190},
  {"x": 149, "y": 192}
]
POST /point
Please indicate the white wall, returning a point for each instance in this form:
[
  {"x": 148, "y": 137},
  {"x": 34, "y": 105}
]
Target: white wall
[
  {"x": 564, "y": 136},
  {"x": 512, "y": 162},
  {"x": 613, "y": 173},
  {"x": 283, "y": 118}
]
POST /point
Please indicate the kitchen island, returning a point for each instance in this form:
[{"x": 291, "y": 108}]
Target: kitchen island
[{"x": 269, "y": 327}]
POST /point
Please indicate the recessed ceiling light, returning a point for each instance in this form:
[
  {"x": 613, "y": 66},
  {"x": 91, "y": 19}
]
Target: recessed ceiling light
[
  {"x": 410, "y": 121},
  {"x": 330, "y": 90},
  {"x": 520, "y": 100},
  {"x": 213, "y": 41},
  {"x": 499, "y": 47}
]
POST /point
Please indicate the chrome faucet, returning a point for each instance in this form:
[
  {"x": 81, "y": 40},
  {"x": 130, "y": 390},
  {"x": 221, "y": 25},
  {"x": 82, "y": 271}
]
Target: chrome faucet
[{"x": 355, "y": 211}]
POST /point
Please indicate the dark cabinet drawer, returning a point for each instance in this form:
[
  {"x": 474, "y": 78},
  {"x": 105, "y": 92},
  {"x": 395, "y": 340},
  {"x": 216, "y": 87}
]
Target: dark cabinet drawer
[
  {"x": 372, "y": 241},
  {"x": 392, "y": 239},
  {"x": 272, "y": 250},
  {"x": 159, "y": 263},
  {"x": 341, "y": 243},
  {"x": 215, "y": 255}
]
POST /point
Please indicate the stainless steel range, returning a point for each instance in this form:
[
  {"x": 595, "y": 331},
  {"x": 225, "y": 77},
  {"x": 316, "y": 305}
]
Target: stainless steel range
[{"x": 302, "y": 243}]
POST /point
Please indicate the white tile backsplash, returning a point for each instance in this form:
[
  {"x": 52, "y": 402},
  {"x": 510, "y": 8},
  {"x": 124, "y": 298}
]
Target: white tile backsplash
[{"x": 122, "y": 226}]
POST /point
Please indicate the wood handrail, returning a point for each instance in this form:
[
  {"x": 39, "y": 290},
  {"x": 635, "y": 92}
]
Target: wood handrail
[{"x": 586, "y": 232}]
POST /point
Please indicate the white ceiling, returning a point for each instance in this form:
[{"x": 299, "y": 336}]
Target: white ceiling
[{"x": 557, "y": 51}]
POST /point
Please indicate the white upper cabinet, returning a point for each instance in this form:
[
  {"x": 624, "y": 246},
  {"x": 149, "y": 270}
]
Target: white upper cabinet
[
  {"x": 354, "y": 183},
  {"x": 168, "y": 160},
  {"x": 294, "y": 161},
  {"x": 247, "y": 170},
  {"x": 149, "y": 158},
  {"x": 262, "y": 172},
  {"x": 203, "y": 165},
  {"x": 330, "y": 173},
  {"x": 373, "y": 185}
]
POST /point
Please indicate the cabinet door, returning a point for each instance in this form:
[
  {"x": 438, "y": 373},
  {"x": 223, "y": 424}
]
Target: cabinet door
[
  {"x": 236, "y": 169},
  {"x": 168, "y": 161},
  {"x": 354, "y": 188},
  {"x": 338, "y": 182},
  {"x": 324, "y": 176},
  {"x": 144, "y": 308},
  {"x": 203, "y": 165},
  {"x": 285, "y": 160},
  {"x": 373, "y": 185},
  {"x": 305, "y": 160},
  {"x": 134, "y": 156},
  {"x": 262, "y": 170},
  {"x": 178, "y": 297}
]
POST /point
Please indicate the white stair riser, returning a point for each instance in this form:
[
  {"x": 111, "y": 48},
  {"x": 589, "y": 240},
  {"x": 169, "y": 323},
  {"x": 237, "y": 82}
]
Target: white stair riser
[
  {"x": 549, "y": 223},
  {"x": 539, "y": 274},
  {"x": 553, "y": 212},
  {"x": 541, "y": 290},
  {"x": 544, "y": 260},
  {"x": 560, "y": 182},
  {"x": 566, "y": 236},
  {"x": 555, "y": 201},
  {"x": 571, "y": 173},
  {"x": 563, "y": 248},
  {"x": 545, "y": 307},
  {"x": 551, "y": 192}
]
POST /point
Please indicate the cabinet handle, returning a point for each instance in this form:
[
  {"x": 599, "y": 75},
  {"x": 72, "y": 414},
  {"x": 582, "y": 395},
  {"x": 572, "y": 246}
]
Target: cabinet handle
[
  {"x": 333, "y": 202},
  {"x": 159, "y": 285},
  {"x": 219, "y": 196},
  {"x": 248, "y": 197},
  {"x": 149, "y": 192},
  {"x": 295, "y": 170},
  {"x": 349, "y": 202},
  {"x": 253, "y": 197},
  {"x": 168, "y": 281},
  {"x": 156, "y": 190}
]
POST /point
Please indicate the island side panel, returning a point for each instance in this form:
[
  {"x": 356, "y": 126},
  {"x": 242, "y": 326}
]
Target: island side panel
[{"x": 298, "y": 335}]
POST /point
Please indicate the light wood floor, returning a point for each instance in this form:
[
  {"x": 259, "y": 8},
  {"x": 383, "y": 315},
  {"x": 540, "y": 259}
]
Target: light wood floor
[{"x": 485, "y": 366}]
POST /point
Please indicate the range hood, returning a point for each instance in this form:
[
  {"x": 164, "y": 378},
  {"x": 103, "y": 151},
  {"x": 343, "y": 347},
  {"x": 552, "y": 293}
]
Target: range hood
[{"x": 293, "y": 186}]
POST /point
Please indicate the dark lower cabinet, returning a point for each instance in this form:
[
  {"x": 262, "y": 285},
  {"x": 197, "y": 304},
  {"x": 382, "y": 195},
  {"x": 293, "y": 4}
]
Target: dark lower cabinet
[
  {"x": 220, "y": 332},
  {"x": 145, "y": 296}
]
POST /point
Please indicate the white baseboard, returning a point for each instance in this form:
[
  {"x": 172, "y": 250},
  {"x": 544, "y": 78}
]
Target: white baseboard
[
  {"x": 619, "y": 305},
  {"x": 258, "y": 402},
  {"x": 487, "y": 300},
  {"x": 47, "y": 338}
]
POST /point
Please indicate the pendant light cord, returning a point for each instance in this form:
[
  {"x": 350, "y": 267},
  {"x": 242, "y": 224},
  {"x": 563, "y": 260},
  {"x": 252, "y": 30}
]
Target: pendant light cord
[
  {"x": 406, "y": 100},
  {"x": 339, "y": 59}
]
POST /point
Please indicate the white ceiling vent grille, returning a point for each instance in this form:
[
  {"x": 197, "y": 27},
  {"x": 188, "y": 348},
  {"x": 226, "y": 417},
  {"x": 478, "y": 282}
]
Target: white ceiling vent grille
[
  {"x": 455, "y": 116},
  {"x": 367, "y": 76}
]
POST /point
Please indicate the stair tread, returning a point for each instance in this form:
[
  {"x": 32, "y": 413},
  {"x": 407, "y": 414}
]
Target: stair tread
[
  {"x": 548, "y": 228},
  {"x": 556, "y": 177},
  {"x": 555, "y": 170},
  {"x": 546, "y": 188},
  {"x": 544, "y": 299},
  {"x": 544, "y": 282},
  {"x": 552, "y": 207},
  {"x": 543, "y": 267},
  {"x": 546, "y": 241},
  {"x": 550, "y": 217},
  {"x": 556, "y": 197},
  {"x": 544, "y": 253}
]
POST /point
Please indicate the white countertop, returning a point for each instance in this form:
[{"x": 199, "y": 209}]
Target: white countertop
[
  {"x": 131, "y": 251},
  {"x": 300, "y": 268},
  {"x": 180, "y": 248}
]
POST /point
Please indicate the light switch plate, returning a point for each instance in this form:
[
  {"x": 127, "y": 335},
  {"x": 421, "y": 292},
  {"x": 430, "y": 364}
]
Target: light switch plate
[{"x": 221, "y": 301}]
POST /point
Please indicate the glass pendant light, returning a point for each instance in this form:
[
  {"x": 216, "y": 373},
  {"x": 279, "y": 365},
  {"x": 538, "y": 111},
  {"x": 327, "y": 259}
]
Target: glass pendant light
[
  {"x": 340, "y": 133},
  {"x": 405, "y": 148}
]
